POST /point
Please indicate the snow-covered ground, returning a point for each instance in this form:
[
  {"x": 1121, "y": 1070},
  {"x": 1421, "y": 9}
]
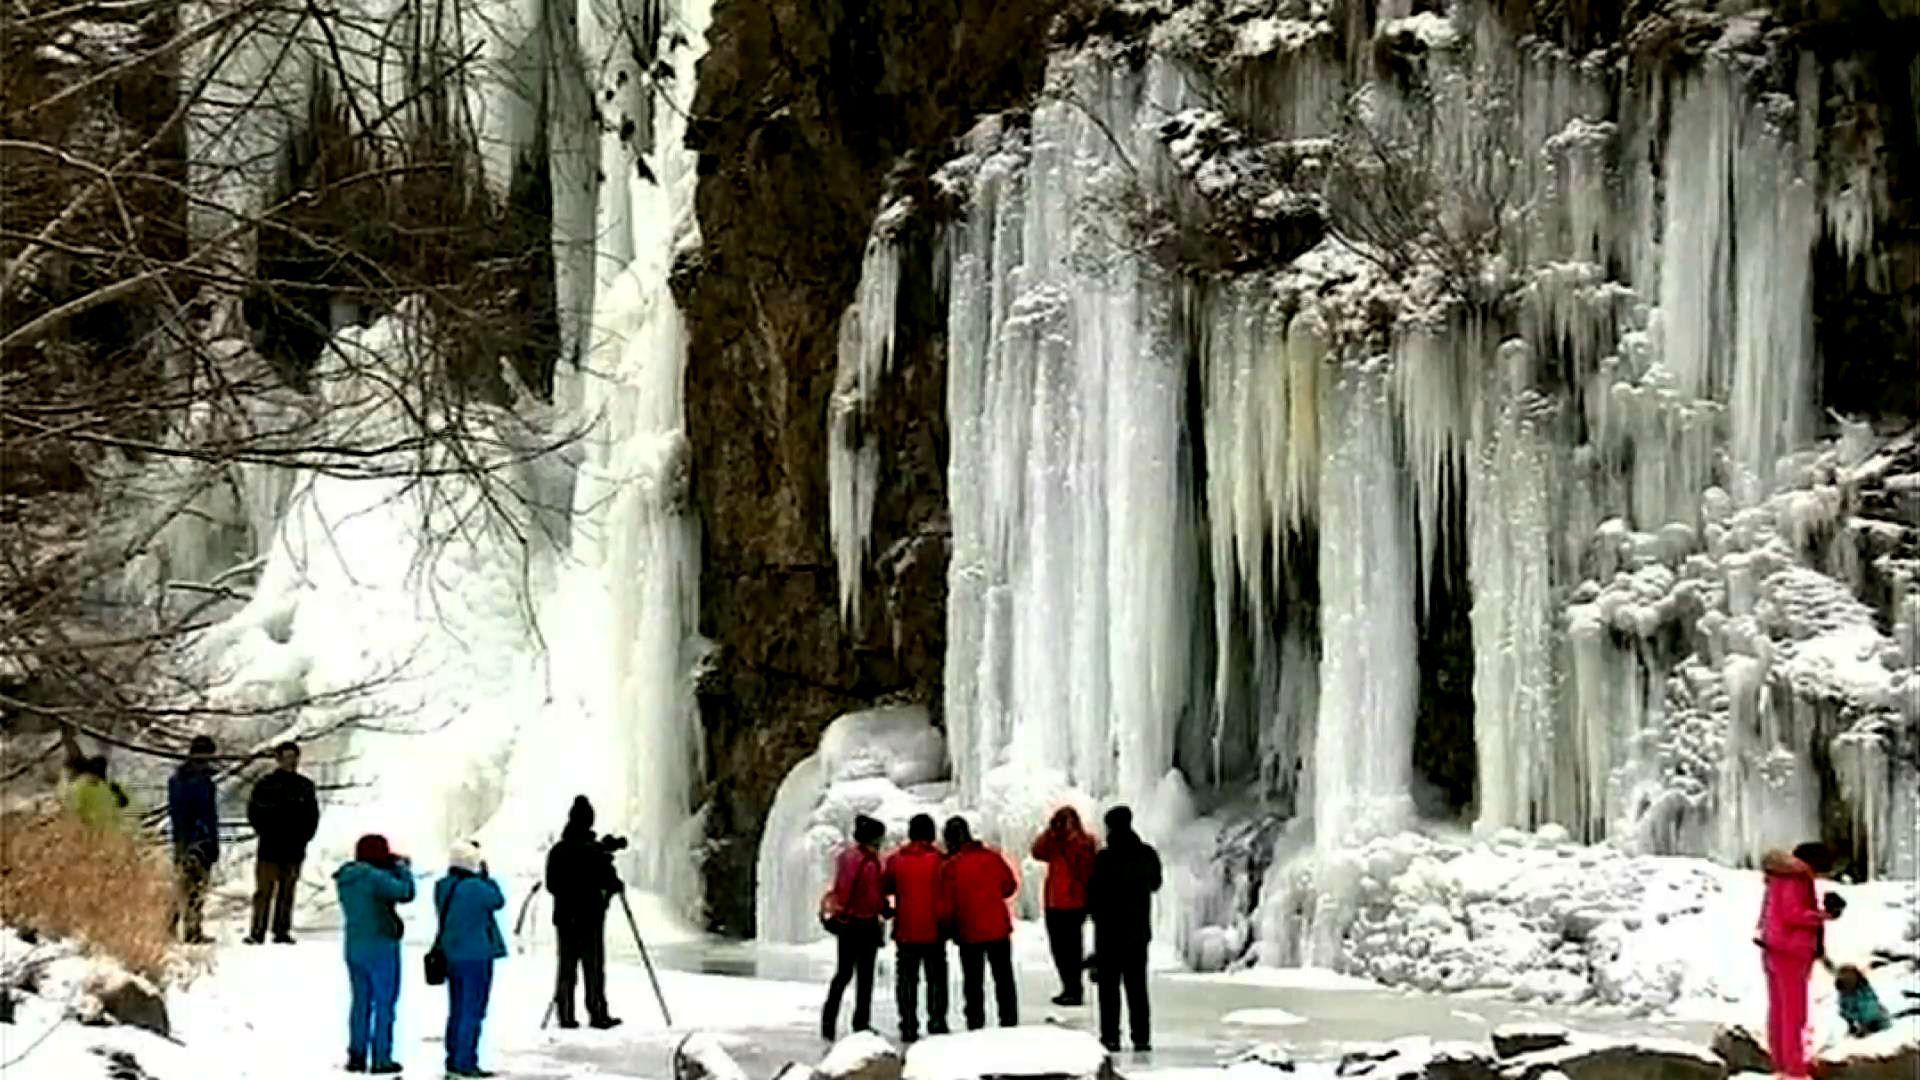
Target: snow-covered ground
[{"x": 279, "y": 1011}]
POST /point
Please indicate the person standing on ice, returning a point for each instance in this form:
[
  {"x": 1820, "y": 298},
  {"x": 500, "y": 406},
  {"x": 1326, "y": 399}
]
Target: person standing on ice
[
  {"x": 370, "y": 888},
  {"x": 912, "y": 878},
  {"x": 1068, "y": 851},
  {"x": 465, "y": 901},
  {"x": 975, "y": 885},
  {"x": 193, "y": 813},
  {"x": 855, "y": 907},
  {"x": 284, "y": 812},
  {"x": 1792, "y": 927},
  {"x": 581, "y": 880},
  {"x": 1126, "y": 874}
]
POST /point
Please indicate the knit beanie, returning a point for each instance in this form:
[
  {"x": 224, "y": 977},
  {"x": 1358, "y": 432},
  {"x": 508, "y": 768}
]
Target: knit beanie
[{"x": 581, "y": 815}]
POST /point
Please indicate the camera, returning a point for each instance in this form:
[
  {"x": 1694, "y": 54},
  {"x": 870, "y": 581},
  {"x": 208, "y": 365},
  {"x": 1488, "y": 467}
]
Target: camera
[{"x": 611, "y": 844}]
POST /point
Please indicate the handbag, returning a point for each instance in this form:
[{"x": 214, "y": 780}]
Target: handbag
[{"x": 436, "y": 959}]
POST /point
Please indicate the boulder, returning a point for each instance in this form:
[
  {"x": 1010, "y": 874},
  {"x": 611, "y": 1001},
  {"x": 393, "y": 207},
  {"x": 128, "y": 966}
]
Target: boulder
[
  {"x": 861, "y": 1056},
  {"x": 1740, "y": 1048},
  {"x": 1512, "y": 1040},
  {"x": 133, "y": 1001},
  {"x": 1588, "y": 1058},
  {"x": 1418, "y": 1059},
  {"x": 700, "y": 1057},
  {"x": 1022, "y": 1053}
]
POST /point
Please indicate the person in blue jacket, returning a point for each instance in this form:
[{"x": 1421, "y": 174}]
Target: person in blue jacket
[
  {"x": 193, "y": 813},
  {"x": 370, "y": 887},
  {"x": 465, "y": 901}
]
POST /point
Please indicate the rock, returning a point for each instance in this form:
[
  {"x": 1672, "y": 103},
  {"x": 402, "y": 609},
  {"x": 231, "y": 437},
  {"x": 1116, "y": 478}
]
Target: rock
[
  {"x": 700, "y": 1057},
  {"x": 1512, "y": 1040},
  {"x": 793, "y": 1070},
  {"x": 861, "y": 1056},
  {"x": 133, "y": 1001},
  {"x": 6, "y": 1006},
  {"x": 1362, "y": 1060},
  {"x": 1263, "y": 1062},
  {"x": 1883, "y": 1057},
  {"x": 1023, "y": 1053},
  {"x": 1741, "y": 1050},
  {"x": 1418, "y": 1059},
  {"x": 1588, "y": 1058}
]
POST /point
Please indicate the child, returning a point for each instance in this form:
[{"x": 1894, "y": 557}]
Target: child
[{"x": 1859, "y": 1006}]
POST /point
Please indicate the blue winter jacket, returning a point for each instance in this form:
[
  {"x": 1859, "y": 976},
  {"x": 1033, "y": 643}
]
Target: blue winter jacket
[
  {"x": 368, "y": 895},
  {"x": 193, "y": 811},
  {"x": 467, "y": 902}
]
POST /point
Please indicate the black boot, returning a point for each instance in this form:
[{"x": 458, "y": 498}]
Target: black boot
[
  {"x": 356, "y": 1064},
  {"x": 603, "y": 1023}
]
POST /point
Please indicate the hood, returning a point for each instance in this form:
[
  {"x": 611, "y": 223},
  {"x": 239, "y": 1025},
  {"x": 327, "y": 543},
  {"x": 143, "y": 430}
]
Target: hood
[
  {"x": 1783, "y": 864},
  {"x": 352, "y": 871}
]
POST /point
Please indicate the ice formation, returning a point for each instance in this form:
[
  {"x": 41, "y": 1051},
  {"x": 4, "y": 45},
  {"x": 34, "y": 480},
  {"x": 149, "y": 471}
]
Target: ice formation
[{"x": 519, "y": 649}]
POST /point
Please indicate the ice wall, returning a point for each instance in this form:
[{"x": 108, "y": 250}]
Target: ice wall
[{"x": 867, "y": 330}]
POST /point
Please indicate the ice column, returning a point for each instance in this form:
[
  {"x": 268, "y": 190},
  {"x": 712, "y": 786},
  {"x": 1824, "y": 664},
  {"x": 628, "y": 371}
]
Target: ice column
[{"x": 1363, "y": 740}]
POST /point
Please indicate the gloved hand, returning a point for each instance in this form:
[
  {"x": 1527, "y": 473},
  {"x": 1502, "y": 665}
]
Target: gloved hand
[{"x": 1836, "y": 905}]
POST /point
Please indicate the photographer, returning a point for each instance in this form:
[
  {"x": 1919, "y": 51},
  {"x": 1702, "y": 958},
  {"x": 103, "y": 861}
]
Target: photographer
[{"x": 581, "y": 880}]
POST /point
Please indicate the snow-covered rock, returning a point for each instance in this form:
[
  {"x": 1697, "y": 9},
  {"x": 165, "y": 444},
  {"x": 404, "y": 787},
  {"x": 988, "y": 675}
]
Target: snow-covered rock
[
  {"x": 1512, "y": 1040},
  {"x": 1037, "y": 1052},
  {"x": 1590, "y": 1058},
  {"x": 701, "y": 1057},
  {"x": 861, "y": 1056}
]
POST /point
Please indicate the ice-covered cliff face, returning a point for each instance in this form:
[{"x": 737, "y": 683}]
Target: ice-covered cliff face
[
  {"x": 475, "y": 652},
  {"x": 1198, "y": 515}
]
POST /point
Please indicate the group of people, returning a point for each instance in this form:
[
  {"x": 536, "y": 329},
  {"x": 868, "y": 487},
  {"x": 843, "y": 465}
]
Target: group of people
[
  {"x": 1792, "y": 939},
  {"x": 963, "y": 895},
  {"x": 284, "y": 810}
]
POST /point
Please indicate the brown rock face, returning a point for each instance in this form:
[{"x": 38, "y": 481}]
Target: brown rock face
[{"x": 803, "y": 108}]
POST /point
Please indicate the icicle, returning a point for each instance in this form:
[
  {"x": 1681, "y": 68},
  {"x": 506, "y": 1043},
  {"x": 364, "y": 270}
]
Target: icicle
[{"x": 867, "y": 330}]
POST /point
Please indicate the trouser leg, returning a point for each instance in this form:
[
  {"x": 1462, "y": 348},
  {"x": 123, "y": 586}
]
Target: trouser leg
[
  {"x": 567, "y": 976},
  {"x": 867, "y": 950},
  {"x": 1139, "y": 1018},
  {"x": 907, "y": 961},
  {"x": 285, "y": 888},
  {"x": 844, "y": 960},
  {"x": 1064, "y": 936},
  {"x": 973, "y": 992},
  {"x": 359, "y": 1010},
  {"x": 936, "y": 965},
  {"x": 1005, "y": 993},
  {"x": 263, "y": 884},
  {"x": 385, "y": 971},
  {"x": 593, "y": 959}
]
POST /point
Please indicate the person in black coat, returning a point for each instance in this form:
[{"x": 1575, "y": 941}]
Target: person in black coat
[
  {"x": 284, "y": 812},
  {"x": 581, "y": 880},
  {"x": 1126, "y": 874},
  {"x": 193, "y": 813}
]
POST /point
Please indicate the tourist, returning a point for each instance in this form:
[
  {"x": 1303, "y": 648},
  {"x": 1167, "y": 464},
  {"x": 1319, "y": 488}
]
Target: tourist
[
  {"x": 912, "y": 878},
  {"x": 1860, "y": 1007},
  {"x": 1792, "y": 927},
  {"x": 284, "y": 812},
  {"x": 855, "y": 906},
  {"x": 975, "y": 885},
  {"x": 465, "y": 901},
  {"x": 370, "y": 887},
  {"x": 1126, "y": 874},
  {"x": 99, "y": 803},
  {"x": 1068, "y": 851},
  {"x": 582, "y": 882},
  {"x": 193, "y": 812}
]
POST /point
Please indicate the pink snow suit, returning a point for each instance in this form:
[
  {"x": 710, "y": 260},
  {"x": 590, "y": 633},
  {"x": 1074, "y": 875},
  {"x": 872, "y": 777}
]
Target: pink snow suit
[{"x": 1790, "y": 926}]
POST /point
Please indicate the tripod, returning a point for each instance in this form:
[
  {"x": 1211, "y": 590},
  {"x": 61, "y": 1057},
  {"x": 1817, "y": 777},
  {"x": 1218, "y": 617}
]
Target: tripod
[{"x": 646, "y": 959}]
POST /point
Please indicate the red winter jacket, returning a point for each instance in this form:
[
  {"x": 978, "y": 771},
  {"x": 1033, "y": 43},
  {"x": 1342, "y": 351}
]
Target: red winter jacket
[
  {"x": 975, "y": 883},
  {"x": 1068, "y": 853},
  {"x": 912, "y": 878},
  {"x": 856, "y": 884},
  {"x": 1791, "y": 921}
]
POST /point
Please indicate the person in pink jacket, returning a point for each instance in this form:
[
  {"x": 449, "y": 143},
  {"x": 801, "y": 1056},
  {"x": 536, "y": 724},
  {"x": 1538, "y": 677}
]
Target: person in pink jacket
[{"x": 1792, "y": 932}]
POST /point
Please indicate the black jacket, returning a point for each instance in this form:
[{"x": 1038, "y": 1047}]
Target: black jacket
[
  {"x": 193, "y": 809},
  {"x": 284, "y": 812},
  {"x": 580, "y": 878},
  {"x": 1126, "y": 874}
]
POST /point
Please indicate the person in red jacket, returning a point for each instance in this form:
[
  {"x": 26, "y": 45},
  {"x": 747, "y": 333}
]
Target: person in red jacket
[
  {"x": 858, "y": 904},
  {"x": 1792, "y": 928},
  {"x": 1068, "y": 851},
  {"x": 912, "y": 878},
  {"x": 975, "y": 884}
]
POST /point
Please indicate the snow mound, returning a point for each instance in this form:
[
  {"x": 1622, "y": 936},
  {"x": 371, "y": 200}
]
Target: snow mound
[
  {"x": 1009, "y": 1052},
  {"x": 861, "y": 1056}
]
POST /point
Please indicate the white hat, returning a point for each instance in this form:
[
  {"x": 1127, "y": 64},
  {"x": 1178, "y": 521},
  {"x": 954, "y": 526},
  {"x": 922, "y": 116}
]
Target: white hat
[{"x": 465, "y": 856}]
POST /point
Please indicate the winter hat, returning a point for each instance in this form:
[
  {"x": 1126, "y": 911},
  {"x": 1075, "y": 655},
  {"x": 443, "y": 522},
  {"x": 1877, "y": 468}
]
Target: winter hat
[
  {"x": 465, "y": 856},
  {"x": 581, "y": 815},
  {"x": 372, "y": 849},
  {"x": 866, "y": 830}
]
